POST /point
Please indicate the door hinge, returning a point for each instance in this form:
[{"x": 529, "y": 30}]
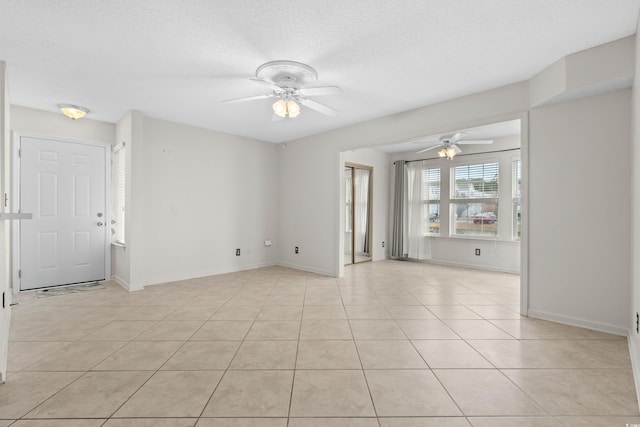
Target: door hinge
[
  {"x": 3, "y": 300},
  {"x": 19, "y": 152},
  {"x": 19, "y": 273},
  {"x": 6, "y": 200}
]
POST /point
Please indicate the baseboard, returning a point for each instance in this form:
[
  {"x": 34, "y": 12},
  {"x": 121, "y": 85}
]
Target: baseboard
[
  {"x": 120, "y": 282},
  {"x": 575, "y": 321},
  {"x": 178, "y": 277},
  {"x": 462, "y": 265},
  {"x": 634, "y": 352},
  {"x": 307, "y": 269}
]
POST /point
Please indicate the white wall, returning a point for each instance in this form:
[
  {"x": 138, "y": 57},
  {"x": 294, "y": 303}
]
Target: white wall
[
  {"x": 44, "y": 123},
  {"x": 579, "y": 215},
  {"x": 198, "y": 195},
  {"x": 5, "y": 230},
  {"x": 634, "y": 336},
  {"x": 381, "y": 166}
]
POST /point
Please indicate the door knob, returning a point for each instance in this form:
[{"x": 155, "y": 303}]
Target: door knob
[{"x": 99, "y": 223}]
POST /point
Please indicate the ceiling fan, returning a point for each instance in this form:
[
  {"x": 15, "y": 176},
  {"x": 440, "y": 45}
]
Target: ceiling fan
[
  {"x": 287, "y": 81},
  {"x": 449, "y": 144}
]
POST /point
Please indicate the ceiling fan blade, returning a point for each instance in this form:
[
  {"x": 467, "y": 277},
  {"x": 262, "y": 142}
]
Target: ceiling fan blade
[
  {"x": 320, "y": 108},
  {"x": 273, "y": 86},
  {"x": 248, "y": 98},
  {"x": 322, "y": 90},
  {"x": 455, "y": 147},
  {"x": 429, "y": 148},
  {"x": 476, "y": 141},
  {"x": 456, "y": 137}
]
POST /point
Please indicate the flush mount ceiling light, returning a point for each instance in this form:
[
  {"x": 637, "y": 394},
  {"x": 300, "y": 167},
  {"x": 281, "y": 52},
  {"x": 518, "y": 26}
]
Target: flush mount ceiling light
[
  {"x": 287, "y": 81},
  {"x": 74, "y": 112}
]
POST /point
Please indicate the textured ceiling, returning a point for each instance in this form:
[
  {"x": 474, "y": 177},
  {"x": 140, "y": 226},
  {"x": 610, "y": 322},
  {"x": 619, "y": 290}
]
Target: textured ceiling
[{"x": 177, "y": 60}]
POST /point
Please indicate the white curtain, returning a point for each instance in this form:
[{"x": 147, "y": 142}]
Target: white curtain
[
  {"x": 416, "y": 244},
  {"x": 361, "y": 211}
]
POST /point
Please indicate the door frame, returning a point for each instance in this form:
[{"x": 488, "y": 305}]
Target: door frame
[
  {"x": 15, "y": 231},
  {"x": 353, "y": 167}
]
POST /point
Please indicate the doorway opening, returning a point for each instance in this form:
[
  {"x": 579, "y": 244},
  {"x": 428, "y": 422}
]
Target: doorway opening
[{"x": 358, "y": 219}]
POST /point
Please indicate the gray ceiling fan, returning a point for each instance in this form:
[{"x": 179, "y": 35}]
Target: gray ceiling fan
[
  {"x": 449, "y": 144},
  {"x": 287, "y": 81}
]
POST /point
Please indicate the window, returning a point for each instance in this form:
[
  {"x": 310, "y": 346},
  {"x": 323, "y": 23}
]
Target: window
[
  {"x": 515, "y": 191},
  {"x": 119, "y": 193},
  {"x": 431, "y": 200},
  {"x": 474, "y": 200}
]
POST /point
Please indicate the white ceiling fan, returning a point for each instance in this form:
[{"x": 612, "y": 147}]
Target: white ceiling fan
[
  {"x": 287, "y": 81},
  {"x": 449, "y": 144}
]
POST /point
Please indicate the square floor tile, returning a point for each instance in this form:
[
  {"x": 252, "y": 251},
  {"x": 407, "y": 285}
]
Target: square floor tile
[
  {"x": 371, "y": 312},
  {"x": 511, "y": 354},
  {"x": 172, "y": 394},
  {"x": 77, "y": 356},
  {"x": 170, "y": 330},
  {"x": 95, "y": 394},
  {"x": 565, "y": 392},
  {"x": 266, "y": 355},
  {"x": 214, "y": 330},
  {"x": 514, "y": 422},
  {"x": 242, "y": 422},
  {"x": 140, "y": 356},
  {"x": 25, "y": 353},
  {"x": 323, "y": 312},
  {"x": 268, "y": 330},
  {"x": 389, "y": 354},
  {"x": 427, "y": 330},
  {"x": 202, "y": 356},
  {"x": 333, "y": 422},
  {"x": 120, "y": 330},
  {"x": 486, "y": 392},
  {"x": 237, "y": 312},
  {"x": 330, "y": 394},
  {"x": 424, "y": 422},
  {"x": 281, "y": 313},
  {"x": 251, "y": 394},
  {"x": 151, "y": 422},
  {"x": 452, "y": 312},
  {"x": 410, "y": 312},
  {"x": 194, "y": 312},
  {"x": 450, "y": 354},
  {"x": 376, "y": 330},
  {"x": 325, "y": 330},
  {"x": 410, "y": 393},
  {"x": 23, "y": 391},
  {"x": 477, "y": 330},
  {"x": 341, "y": 354}
]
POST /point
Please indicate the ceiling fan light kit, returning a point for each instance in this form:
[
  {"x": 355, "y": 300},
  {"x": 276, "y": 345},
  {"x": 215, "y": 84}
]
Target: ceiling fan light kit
[
  {"x": 287, "y": 81},
  {"x": 447, "y": 144}
]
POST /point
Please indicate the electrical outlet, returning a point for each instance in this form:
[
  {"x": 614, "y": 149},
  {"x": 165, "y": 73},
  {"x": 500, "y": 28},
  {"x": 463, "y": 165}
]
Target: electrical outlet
[
  {"x": 237, "y": 252},
  {"x": 383, "y": 243},
  {"x": 477, "y": 252},
  {"x": 296, "y": 250}
]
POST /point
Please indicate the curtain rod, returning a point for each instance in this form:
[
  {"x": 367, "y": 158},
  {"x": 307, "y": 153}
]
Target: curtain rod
[{"x": 461, "y": 155}]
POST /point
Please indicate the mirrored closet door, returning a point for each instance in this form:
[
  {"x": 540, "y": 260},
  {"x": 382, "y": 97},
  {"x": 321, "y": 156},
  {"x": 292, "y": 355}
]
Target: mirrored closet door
[{"x": 357, "y": 243}]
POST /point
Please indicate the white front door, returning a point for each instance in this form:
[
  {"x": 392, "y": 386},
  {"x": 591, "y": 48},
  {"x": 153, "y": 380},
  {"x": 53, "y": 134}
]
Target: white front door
[{"x": 64, "y": 185}]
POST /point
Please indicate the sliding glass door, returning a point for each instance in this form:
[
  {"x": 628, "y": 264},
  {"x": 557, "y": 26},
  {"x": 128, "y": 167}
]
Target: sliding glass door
[{"x": 357, "y": 244}]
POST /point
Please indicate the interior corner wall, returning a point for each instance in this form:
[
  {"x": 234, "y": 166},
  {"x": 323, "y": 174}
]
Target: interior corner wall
[
  {"x": 381, "y": 164},
  {"x": 121, "y": 254},
  {"x": 199, "y": 196},
  {"x": 579, "y": 212}
]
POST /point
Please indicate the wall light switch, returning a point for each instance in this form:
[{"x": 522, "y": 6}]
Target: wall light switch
[{"x": 267, "y": 243}]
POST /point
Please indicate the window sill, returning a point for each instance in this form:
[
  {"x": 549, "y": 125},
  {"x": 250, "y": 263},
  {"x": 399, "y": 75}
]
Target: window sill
[{"x": 478, "y": 238}]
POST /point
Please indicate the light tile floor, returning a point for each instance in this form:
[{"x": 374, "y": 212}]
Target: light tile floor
[{"x": 392, "y": 344}]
